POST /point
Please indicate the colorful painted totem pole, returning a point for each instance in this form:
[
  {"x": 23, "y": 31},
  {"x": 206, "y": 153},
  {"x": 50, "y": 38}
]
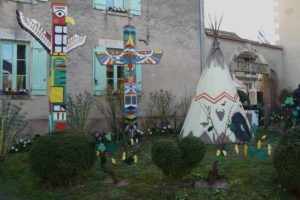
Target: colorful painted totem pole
[
  {"x": 129, "y": 57},
  {"x": 58, "y": 44}
]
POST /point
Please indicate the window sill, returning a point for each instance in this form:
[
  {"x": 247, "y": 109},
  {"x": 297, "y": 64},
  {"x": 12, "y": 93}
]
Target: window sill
[
  {"x": 116, "y": 13},
  {"x": 27, "y": 1},
  {"x": 15, "y": 94},
  {"x": 30, "y": 1}
]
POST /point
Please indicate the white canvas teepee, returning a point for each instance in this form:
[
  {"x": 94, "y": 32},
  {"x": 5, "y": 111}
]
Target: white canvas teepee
[{"x": 216, "y": 114}]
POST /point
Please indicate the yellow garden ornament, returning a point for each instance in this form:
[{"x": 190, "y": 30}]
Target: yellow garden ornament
[
  {"x": 124, "y": 156},
  {"x": 246, "y": 150},
  {"x": 269, "y": 149},
  {"x": 135, "y": 158},
  {"x": 224, "y": 153},
  {"x": 259, "y": 144},
  {"x": 264, "y": 137},
  {"x": 236, "y": 148},
  {"x": 98, "y": 154},
  {"x": 218, "y": 152},
  {"x": 113, "y": 161}
]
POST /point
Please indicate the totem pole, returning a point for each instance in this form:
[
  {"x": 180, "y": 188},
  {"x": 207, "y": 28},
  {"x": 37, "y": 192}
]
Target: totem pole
[
  {"x": 58, "y": 44},
  {"x": 129, "y": 57}
]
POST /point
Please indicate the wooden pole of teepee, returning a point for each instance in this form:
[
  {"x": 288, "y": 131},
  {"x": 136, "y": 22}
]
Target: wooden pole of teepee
[{"x": 202, "y": 35}]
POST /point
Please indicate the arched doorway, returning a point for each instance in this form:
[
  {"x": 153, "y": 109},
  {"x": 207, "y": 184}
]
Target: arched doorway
[{"x": 251, "y": 68}]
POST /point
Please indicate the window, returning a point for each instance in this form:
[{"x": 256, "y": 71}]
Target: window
[
  {"x": 115, "y": 4},
  {"x": 110, "y": 77},
  {"x": 114, "y": 77},
  {"x": 14, "y": 67},
  {"x": 132, "y": 7},
  {"x": 22, "y": 69}
]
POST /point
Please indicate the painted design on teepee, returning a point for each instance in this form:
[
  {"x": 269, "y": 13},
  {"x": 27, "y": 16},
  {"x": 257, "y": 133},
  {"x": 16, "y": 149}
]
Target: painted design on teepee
[
  {"x": 216, "y": 114},
  {"x": 215, "y": 100}
]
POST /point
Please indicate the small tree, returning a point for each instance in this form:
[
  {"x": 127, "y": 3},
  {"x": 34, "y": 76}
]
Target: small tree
[
  {"x": 185, "y": 102},
  {"x": 113, "y": 110},
  {"x": 12, "y": 121},
  {"x": 78, "y": 109},
  {"x": 162, "y": 101}
]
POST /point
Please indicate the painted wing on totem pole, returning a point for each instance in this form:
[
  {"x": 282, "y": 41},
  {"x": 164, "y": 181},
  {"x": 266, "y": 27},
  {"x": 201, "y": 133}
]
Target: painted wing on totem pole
[
  {"x": 149, "y": 57},
  {"x": 36, "y": 30},
  {"x": 110, "y": 58},
  {"x": 75, "y": 41}
]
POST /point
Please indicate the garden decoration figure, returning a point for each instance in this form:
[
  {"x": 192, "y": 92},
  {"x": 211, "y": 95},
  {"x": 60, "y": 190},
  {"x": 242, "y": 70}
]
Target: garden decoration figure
[
  {"x": 216, "y": 114},
  {"x": 296, "y": 95},
  {"x": 58, "y": 45},
  {"x": 129, "y": 57}
]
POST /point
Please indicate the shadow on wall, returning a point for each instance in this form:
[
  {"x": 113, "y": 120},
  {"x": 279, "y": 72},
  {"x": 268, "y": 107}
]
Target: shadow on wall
[{"x": 35, "y": 127}]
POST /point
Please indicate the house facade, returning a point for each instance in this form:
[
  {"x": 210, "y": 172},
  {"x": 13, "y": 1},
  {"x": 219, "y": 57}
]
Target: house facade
[
  {"x": 169, "y": 25},
  {"x": 287, "y": 20}
]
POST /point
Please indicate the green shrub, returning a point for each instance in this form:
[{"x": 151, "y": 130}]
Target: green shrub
[
  {"x": 167, "y": 156},
  {"x": 193, "y": 151},
  {"x": 287, "y": 160},
  {"x": 12, "y": 122},
  {"x": 177, "y": 160},
  {"x": 59, "y": 157},
  {"x": 285, "y": 93}
]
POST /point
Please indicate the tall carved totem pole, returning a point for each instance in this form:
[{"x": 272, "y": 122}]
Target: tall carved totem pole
[
  {"x": 57, "y": 44},
  {"x": 129, "y": 57}
]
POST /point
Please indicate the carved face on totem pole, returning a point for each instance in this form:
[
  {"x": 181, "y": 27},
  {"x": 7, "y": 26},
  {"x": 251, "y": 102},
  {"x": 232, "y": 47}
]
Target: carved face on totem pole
[{"x": 60, "y": 19}]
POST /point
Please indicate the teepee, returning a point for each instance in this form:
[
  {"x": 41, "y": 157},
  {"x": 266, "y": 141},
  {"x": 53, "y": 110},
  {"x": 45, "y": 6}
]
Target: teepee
[{"x": 216, "y": 114}]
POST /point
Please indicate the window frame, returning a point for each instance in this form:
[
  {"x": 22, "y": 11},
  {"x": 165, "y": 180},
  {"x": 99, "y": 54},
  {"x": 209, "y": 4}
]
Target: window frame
[
  {"x": 114, "y": 4},
  {"x": 14, "y": 63},
  {"x": 99, "y": 71},
  {"x": 131, "y": 8},
  {"x": 115, "y": 78}
]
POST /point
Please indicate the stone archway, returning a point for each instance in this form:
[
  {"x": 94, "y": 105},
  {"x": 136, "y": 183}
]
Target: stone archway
[{"x": 249, "y": 66}]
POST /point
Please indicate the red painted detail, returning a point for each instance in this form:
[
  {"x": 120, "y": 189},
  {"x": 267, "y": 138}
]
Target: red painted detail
[
  {"x": 60, "y": 20},
  {"x": 130, "y": 92},
  {"x": 216, "y": 99},
  {"x": 126, "y": 80},
  {"x": 61, "y": 126},
  {"x": 61, "y": 66},
  {"x": 130, "y": 112}
]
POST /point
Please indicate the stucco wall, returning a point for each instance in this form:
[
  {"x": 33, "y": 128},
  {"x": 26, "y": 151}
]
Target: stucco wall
[{"x": 173, "y": 27}]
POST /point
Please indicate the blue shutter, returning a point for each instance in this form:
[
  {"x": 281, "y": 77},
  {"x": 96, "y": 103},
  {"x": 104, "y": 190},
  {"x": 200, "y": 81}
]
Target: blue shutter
[
  {"x": 119, "y": 3},
  {"x": 139, "y": 77},
  {"x": 39, "y": 69},
  {"x": 135, "y": 7},
  {"x": 99, "y": 4},
  {"x": 99, "y": 73}
]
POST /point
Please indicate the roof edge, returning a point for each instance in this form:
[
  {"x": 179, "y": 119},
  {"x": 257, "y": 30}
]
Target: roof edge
[{"x": 238, "y": 39}]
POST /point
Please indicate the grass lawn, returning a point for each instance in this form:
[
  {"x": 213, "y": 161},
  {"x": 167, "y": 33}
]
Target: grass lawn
[{"x": 249, "y": 178}]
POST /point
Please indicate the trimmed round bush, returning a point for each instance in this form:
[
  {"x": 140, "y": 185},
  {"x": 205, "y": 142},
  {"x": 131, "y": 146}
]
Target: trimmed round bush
[
  {"x": 178, "y": 159},
  {"x": 167, "y": 156},
  {"x": 59, "y": 157},
  {"x": 193, "y": 151},
  {"x": 287, "y": 160}
]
